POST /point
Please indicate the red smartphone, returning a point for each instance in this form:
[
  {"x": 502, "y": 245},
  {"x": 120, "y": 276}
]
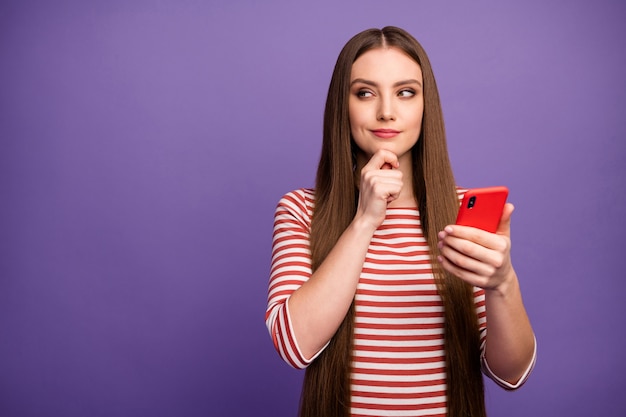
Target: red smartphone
[{"x": 482, "y": 208}]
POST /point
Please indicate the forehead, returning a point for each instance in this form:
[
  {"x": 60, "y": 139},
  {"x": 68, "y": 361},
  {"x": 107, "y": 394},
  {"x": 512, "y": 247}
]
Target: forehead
[{"x": 385, "y": 64}]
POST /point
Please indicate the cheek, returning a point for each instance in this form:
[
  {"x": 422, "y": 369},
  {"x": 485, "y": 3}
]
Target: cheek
[
  {"x": 418, "y": 117},
  {"x": 351, "y": 113},
  {"x": 419, "y": 121},
  {"x": 356, "y": 117}
]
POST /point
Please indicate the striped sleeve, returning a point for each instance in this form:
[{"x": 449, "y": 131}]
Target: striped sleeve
[
  {"x": 290, "y": 268},
  {"x": 502, "y": 383}
]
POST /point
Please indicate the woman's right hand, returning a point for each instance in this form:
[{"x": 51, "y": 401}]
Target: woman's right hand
[
  {"x": 379, "y": 185},
  {"x": 318, "y": 307}
]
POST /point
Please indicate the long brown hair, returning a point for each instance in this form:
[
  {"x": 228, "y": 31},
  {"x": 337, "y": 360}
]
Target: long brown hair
[{"x": 326, "y": 389}]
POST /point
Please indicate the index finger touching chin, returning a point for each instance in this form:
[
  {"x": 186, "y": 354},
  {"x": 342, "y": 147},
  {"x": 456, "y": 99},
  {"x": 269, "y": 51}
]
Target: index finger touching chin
[{"x": 384, "y": 159}]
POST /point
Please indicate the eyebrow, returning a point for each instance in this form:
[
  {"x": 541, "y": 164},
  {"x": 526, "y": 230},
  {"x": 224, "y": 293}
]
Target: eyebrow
[{"x": 396, "y": 84}]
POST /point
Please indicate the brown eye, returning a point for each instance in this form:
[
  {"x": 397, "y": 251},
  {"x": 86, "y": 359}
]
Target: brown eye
[
  {"x": 364, "y": 94},
  {"x": 406, "y": 93}
]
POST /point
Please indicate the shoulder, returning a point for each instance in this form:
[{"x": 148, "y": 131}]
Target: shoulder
[
  {"x": 298, "y": 203},
  {"x": 302, "y": 197}
]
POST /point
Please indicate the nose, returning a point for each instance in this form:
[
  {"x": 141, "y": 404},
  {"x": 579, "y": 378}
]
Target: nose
[{"x": 385, "y": 110}]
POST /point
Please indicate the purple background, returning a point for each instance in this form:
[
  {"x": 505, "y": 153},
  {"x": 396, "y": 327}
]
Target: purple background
[{"x": 144, "y": 145}]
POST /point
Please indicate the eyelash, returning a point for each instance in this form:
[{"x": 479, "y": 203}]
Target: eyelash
[{"x": 362, "y": 93}]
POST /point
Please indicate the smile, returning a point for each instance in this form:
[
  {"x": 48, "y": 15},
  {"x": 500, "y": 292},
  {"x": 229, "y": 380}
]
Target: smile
[{"x": 385, "y": 133}]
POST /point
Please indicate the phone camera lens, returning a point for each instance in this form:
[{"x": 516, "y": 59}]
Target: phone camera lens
[{"x": 471, "y": 202}]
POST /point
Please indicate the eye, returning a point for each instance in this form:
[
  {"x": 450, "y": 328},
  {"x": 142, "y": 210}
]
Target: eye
[
  {"x": 364, "y": 94},
  {"x": 407, "y": 92}
]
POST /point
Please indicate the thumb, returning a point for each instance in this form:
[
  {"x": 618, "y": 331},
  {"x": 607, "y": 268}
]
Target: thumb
[{"x": 504, "y": 228}]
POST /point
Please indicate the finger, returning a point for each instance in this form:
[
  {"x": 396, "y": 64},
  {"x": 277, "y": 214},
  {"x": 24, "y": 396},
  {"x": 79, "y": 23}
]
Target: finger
[
  {"x": 380, "y": 159},
  {"x": 470, "y": 277},
  {"x": 473, "y": 235},
  {"x": 470, "y": 255},
  {"x": 504, "y": 228},
  {"x": 381, "y": 184},
  {"x": 388, "y": 188},
  {"x": 382, "y": 176}
]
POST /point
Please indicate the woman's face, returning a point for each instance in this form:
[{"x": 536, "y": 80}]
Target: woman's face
[{"x": 386, "y": 103}]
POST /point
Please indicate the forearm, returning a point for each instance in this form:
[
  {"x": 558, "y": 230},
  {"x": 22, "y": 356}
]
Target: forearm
[
  {"x": 510, "y": 343},
  {"x": 319, "y": 306}
]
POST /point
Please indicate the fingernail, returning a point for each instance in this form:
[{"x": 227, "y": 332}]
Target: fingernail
[{"x": 448, "y": 229}]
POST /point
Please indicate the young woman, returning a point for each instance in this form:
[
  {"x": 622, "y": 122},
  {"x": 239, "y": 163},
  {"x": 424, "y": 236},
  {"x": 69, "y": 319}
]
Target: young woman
[{"x": 392, "y": 309}]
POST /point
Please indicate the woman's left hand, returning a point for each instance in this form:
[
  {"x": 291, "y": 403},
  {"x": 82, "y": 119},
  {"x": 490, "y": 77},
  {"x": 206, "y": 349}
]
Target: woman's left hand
[{"x": 478, "y": 257}]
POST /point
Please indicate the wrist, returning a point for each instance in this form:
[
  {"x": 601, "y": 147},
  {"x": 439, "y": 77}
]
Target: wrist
[
  {"x": 360, "y": 224},
  {"x": 509, "y": 285}
]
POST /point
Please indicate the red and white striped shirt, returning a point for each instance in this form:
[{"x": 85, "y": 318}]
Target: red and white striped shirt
[{"x": 398, "y": 366}]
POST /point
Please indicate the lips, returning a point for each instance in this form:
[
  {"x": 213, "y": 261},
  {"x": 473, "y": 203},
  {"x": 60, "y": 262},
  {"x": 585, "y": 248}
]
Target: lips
[{"x": 385, "y": 133}]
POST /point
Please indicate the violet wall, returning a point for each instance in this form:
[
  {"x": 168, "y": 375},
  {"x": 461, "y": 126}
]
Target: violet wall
[{"x": 144, "y": 145}]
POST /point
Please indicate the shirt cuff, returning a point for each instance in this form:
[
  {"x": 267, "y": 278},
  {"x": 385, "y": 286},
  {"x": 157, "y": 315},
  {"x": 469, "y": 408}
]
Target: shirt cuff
[
  {"x": 296, "y": 345},
  {"x": 507, "y": 385}
]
